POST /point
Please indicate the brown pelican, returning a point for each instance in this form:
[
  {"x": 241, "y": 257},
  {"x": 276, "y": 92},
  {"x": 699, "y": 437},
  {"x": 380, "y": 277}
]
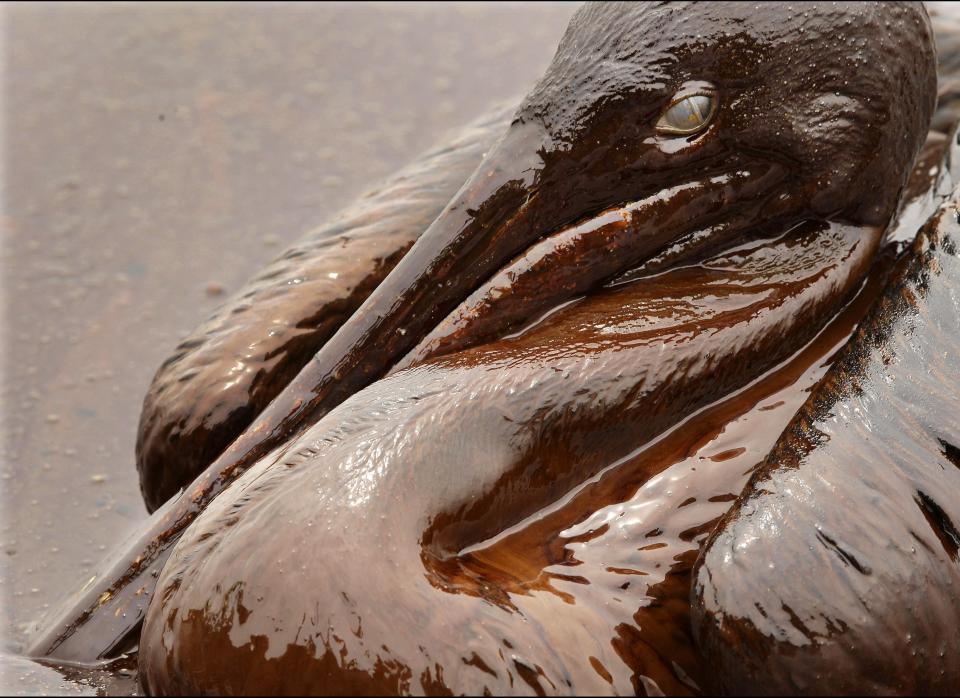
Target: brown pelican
[{"x": 483, "y": 458}]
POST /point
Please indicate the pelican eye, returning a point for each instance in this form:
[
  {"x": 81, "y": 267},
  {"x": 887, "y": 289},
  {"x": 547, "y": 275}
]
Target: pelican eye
[{"x": 688, "y": 114}]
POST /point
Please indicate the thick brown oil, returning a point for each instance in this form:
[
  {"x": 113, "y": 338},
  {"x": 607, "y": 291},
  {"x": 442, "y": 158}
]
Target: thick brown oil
[
  {"x": 419, "y": 539},
  {"x": 630, "y": 536}
]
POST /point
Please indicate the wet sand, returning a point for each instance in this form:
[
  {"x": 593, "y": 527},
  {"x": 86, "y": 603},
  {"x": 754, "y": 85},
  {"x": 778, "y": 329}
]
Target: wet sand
[{"x": 154, "y": 158}]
